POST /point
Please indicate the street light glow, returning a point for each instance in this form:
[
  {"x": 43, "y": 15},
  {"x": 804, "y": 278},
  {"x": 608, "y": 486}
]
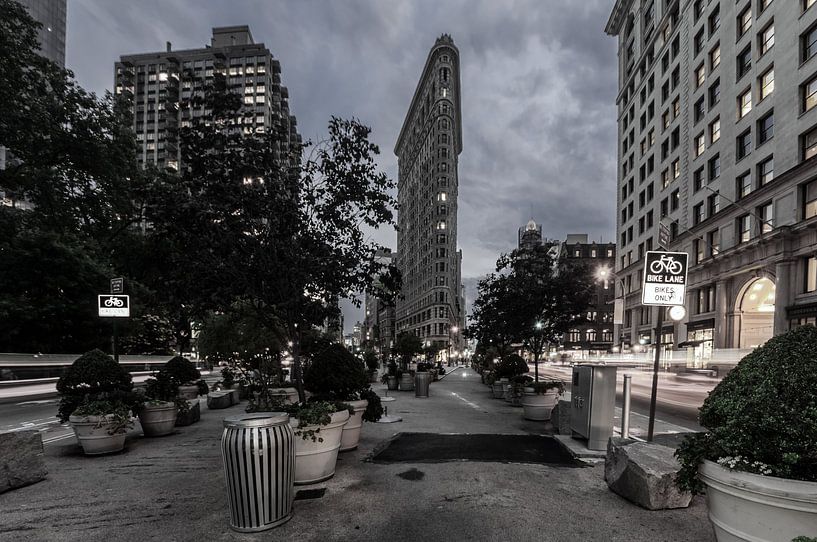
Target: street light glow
[{"x": 538, "y": 325}]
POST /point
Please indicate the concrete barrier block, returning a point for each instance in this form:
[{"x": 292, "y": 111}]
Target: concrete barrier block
[
  {"x": 21, "y": 459},
  {"x": 191, "y": 416},
  {"x": 644, "y": 473},
  {"x": 219, "y": 399}
]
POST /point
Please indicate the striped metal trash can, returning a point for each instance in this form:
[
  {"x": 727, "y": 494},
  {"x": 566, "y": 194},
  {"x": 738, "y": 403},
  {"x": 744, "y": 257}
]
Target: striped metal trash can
[{"x": 259, "y": 465}]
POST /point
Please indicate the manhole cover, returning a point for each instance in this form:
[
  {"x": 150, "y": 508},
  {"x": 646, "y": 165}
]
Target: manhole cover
[{"x": 434, "y": 448}]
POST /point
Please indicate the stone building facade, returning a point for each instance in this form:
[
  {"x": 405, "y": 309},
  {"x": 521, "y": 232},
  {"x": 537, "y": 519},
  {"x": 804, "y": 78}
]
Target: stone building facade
[
  {"x": 717, "y": 134},
  {"x": 161, "y": 86},
  {"x": 428, "y": 149}
]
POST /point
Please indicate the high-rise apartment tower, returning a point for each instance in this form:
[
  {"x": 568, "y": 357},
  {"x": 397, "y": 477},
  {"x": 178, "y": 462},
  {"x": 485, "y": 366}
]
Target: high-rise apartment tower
[
  {"x": 433, "y": 306},
  {"x": 161, "y": 87},
  {"x": 717, "y": 130}
]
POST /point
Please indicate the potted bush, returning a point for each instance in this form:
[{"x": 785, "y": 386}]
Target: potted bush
[
  {"x": 510, "y": 366},
  {"x": 318, "y": 426},
  {"x": 539, "y": 399},
  {"x": 372, "y": 364},
  {"x": 389, "y": 378},
  {"x": 758, "y": 458},
  {"x": 517, "y": 389},
  {"x": 185, "y": 376},
  {"x": 96, "y": 397},
  {"x": 335, "y": 374},
  {"x": 157, "y": 415}
]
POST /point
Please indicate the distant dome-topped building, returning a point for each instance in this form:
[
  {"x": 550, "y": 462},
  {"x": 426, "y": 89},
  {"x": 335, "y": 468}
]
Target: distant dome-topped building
[{"x": 530, "y": 235}]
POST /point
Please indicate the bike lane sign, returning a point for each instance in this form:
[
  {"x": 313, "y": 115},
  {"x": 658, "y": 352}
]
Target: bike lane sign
[
  {"x": 117, "y": 306},
  {"x": 665, "y": 277}
]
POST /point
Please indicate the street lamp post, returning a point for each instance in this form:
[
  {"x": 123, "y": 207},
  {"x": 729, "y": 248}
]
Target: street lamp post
[
  {"x": 451, "y": 338},
  {"x": 605, "y": 274}
]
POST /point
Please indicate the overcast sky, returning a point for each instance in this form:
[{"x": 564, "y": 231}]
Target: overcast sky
[{"x": 538, "y": 92}]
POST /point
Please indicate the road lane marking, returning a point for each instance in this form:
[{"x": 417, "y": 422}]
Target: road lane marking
[{"x": 467, "y": 402}]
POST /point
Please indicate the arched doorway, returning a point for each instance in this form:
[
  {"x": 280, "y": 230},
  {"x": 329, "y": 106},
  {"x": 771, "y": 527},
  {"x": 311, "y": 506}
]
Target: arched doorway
[{"x": 756, "y": 306}]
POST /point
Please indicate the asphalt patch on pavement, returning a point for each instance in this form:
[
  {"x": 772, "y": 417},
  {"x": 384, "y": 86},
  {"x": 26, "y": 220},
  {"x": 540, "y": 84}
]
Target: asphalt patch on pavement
[
  {"x": 412, "y": 474},
  {"x": 306, "y": 494},
  {"x": 437, "y": 448}
]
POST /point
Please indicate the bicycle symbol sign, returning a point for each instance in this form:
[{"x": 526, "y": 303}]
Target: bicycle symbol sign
[
  {"x": 117, "y": 306},
  {"x": 665, "y": 277}
]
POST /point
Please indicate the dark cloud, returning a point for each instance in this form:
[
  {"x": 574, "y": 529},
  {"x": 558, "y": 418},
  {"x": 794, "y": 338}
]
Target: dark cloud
[{"x": 538, "y": 91}]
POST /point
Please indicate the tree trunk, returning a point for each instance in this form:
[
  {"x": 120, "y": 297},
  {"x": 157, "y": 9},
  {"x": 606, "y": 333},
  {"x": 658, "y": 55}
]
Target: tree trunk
[{"x": 296, "y": 362}]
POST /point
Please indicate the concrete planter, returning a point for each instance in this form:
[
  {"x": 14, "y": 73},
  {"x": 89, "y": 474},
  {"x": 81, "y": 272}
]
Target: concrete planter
[
  {"x": 93, "y": 435},
  {"x": 188, "y": 392},
  {"x": 537, "y": 407},
  {"x": 391, "y": 382},
  {"x": 406, "y": 382},
  {"x": 498, "y": 388},
  {"x": 158, "y": 420},
  {"x": 351, "y": 431},
  {"x": 315, "y": 461},
  {"x": 750, "y": 507}
]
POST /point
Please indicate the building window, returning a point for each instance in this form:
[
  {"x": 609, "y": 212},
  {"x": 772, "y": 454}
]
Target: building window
[
  {"x": 714, "y": 242},
  {"x": 698, "y": 213},
  {"x": 743, "y": 145},
  {"x": 700, "y": 144},
  {"x": 698, "y": 250},
  {"x": 676, "y": 108},
  {"x": 810, "y": 200},
  {"x": 699, "y": 109},
  {"x": 763, "y": 4},
  {"x": 809, "y": 93},
  {"x": 744, "y": 61},
  {"x": 700, "y": 76},
  {"x": 809, "y": 43},
  {"x": 698, "y": 179},
  {"x": 766, "y": 83},
  {"x": 744, "y": 228},
  {"x": 744, "y": 185},
  {"x": 675, "y": 199},
  {"x": 766, "y": 214},
  {"x": 715, "y": 57},
  {"x": 714, "y": 93},
  {"x": 676, "y": 168},
  {"x": 574, "y": 336},
  {"x": 713, "y": 204},
  {"x": 765, "y": 128},
  {"x": 767, "y": 39},
  {"x": 744, "y": 21},
  {"x": 809, "y": 144},
  {"x": 714, "y": 167},
  {"x": 811, "y": 274},
  {"x": 745, "y": 103},
  {"x": 715, "y": 130},
  {"x": 765, "y": 171},
  {"x": 714, "y": 21},
  {"x": 700, "y": 39}
]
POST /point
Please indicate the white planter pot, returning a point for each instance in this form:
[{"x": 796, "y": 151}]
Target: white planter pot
[
  {"x": 159, "y": 419},
  {"x": 188, "y": 392},
  {"x": 498, "y": 388},
  {"x": 92, "y": 434},
  {"x": 351, "y": 431},
  {"x": 292, "y": 395},
  {"x": 750, "y": 507},
  {"x": 315, "y": 461},
  {"x": 538, "y": 407}
]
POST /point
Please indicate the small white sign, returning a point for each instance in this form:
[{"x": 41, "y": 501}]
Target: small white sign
[
  {"x": 116, "y": 306},
  {"x": 665, "y": 277}
]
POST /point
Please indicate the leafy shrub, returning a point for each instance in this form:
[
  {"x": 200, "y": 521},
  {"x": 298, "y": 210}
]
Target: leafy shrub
[
  {"x": 336, "y": 375},
  {"x": 763, "y": 413},
  {"x": 523, "y": 380},
  {"x": 424, "y": 366},
  {"x": 94, "y": 376},
  {"x": 371, "y": 361},
  {"x": 374, "y": 410},
  {"x": 161, "y": 387},
  {"x": 117, "y": 412},
  {"x": 543, "y": 386},
  {"x": 512, "y": 365},
  {"x": 182, "y": 371},
  {"x": 204, "y": 389},
  {"x": 228, "y": 377}
]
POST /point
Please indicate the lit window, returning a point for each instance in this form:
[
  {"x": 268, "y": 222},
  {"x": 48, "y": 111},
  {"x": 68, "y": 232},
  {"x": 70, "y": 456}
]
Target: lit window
[
  {"x": 810, "y": 144},
  {"x": 744, "y": 228},
  {"x": 766, "y": 214},
  {"x": 765, "y": 171},
  {"x": 810, "y": 94},
  {"x": 744, "y": 185},
  {"x": 700, "y": 145},
  {"x": 715, "y": 130},
  {"x": 700, "y": 75},
  {"x": 767, "y": 39},
  {"x": 811, "y": 269},
  {"x": 715, "y": 58},
  {"x": 744, "y": 21},
  {"x": 745, "y": 104},
  {"x": 676, "y": 169},
  {"x": 810, "y": 198},
  {"x": 767, "y": 83}
]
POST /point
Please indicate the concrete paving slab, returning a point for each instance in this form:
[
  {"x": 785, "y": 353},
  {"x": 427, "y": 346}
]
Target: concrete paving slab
[{"x": 172, "y": 489}]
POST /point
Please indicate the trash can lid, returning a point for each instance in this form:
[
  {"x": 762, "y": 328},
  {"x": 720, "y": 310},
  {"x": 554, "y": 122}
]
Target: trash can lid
[{"x": 257, "y": 419}]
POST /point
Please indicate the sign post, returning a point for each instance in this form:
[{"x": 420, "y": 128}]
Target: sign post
[
  {"x": 665, "y": 277},
  {"x": 114, "y": 306}
]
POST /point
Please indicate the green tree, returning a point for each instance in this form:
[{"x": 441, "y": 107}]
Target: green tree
[
  {"x": 256, "y": 221},
  {"x": 406, "y": 347}
]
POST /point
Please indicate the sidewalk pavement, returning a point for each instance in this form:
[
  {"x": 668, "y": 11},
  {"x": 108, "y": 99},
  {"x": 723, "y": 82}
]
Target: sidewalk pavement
[{"x": 172, "y": 489}]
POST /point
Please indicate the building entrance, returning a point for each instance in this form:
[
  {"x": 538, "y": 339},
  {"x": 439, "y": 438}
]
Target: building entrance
[{"x": 756, "y": 307}]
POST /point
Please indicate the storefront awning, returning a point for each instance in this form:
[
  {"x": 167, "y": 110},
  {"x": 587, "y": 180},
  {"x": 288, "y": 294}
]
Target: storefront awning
[{"x": 709, "y": 323}]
